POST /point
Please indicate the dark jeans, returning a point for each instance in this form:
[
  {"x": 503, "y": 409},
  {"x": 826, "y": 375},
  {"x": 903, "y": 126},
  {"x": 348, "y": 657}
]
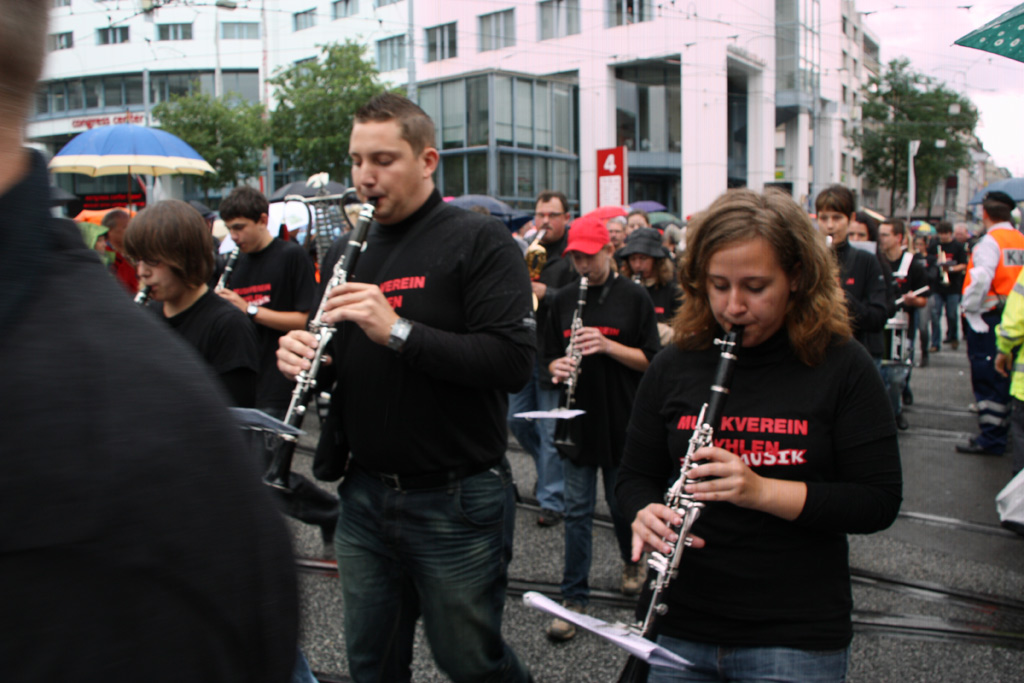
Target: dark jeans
[
  {"x": 991, "y": 390},
  {"x": 580, "y": 500},
  {"x": 537, "y": 437},
  {"x": 742, "y": 664},
  {"x": 951, "y": 303},
  {"x": 440, "y": 553}
]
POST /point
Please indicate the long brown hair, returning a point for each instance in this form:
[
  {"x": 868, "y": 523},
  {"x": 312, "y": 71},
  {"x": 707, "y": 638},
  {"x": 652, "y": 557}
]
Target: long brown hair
[
  {"x": 174, "y": 233},
  {"x": 816, "y": 313}
]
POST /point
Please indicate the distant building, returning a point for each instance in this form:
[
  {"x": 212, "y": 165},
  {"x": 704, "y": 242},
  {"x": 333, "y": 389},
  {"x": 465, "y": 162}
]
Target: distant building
[{"x": 704, "y": 95}]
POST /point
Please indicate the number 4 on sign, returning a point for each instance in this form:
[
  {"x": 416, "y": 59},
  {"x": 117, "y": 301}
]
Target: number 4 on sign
[{"x": 609, "y": 163}]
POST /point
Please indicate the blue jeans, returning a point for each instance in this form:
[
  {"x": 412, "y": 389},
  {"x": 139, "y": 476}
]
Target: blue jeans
[
  {"x": 537, "y": 437},
  {"x": 951, "y": 302},
  {"x": 580, "y": 500},
  {"x": 440, "y": 553},
  {"x": 740, "y": 664}
]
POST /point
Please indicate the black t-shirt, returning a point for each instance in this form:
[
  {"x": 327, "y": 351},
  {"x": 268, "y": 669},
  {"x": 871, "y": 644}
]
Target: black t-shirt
[
  {"x": 955, "y": 253},
  {"x": 910, "y": 281},
  {"x": 227, "y": 341},
  {"x": 867, "y": 301},
  {"x": 139, "y": 536},
  {"x": 280, "y": 278},
  {"x": 605, "y": 388},
  {"x": 760, "y": 580},
  {"x": 442, "y": 402},
  {"x": 667, "y": 300}
]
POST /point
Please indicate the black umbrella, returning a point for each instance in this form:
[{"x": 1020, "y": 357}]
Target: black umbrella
[
  {"x": 200, "y": 207},
  {"x": 300, "y": 187}
]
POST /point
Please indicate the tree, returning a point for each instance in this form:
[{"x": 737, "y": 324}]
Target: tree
[
  {"x": 230, "y": 133},
  {"x": 902, "y": 105},
  {"x": 317, "y": 100}
]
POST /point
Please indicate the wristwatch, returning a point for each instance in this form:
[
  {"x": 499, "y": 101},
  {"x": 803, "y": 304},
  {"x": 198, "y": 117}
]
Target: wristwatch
[
  {"x": 399, "y": 333},
  {"x": 252, "y": 310}
]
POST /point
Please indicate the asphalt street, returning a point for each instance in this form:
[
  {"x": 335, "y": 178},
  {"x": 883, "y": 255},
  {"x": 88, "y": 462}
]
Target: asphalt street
[{"x": 938, "y": 597}]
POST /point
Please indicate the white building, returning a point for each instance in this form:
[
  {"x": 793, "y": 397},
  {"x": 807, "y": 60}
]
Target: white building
[{"x": 524, "y": 92}]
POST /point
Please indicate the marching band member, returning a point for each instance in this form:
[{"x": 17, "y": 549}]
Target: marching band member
[
  {"x": 806, "y": 451},
  {"x": 616, "y": 343},
  {"x": 644, "y": 256},
  {"x": 435, "y": 327},
  {"x": 173, "y": 249}
]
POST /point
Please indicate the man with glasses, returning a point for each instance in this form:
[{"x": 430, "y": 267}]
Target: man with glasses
[{"x": 537, "y": 436}]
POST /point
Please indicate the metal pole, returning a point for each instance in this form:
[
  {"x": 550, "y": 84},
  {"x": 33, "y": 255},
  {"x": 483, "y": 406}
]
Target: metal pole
[{"x": 410, "y": 57}]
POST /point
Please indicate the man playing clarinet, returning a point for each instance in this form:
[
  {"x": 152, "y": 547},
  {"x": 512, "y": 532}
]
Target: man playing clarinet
[{"x": 435, "y": 328}]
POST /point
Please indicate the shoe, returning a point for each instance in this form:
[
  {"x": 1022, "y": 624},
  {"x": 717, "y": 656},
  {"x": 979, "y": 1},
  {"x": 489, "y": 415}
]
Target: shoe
[
  {"x": 562, "y": 630},
  {"x": 924, "y": 361},
  {"x": 908, "y": 395},
  {"x": 549, "y": 518},
  {"x": 632, "y": 578},
  {"x": 972, "y": 448},
  {"x": 933, "y": 349},
  {"x": 902, "y": 424},
  {"x": 954, "y": 344}
]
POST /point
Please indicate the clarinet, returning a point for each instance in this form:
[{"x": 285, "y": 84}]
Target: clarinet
[
  {"x": 277, "y": 473},
  {"x": 563, "y": 435},
  {"x": 667, "y": 567},
  {"x": 142, "y": 296},
  {"x": 228, "y": 267}
]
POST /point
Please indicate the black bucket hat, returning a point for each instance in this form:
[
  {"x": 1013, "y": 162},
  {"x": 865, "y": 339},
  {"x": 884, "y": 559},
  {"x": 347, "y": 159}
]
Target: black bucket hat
[{"x": 646, "y": 241}]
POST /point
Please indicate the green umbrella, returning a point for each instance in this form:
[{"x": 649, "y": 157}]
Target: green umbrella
[
  {"x": 662, "y": 217},
  {"x": 1002, "y": 36}
]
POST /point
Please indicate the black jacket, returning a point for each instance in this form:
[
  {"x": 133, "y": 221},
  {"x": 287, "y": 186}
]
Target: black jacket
[{"x": 864, "y": 285}]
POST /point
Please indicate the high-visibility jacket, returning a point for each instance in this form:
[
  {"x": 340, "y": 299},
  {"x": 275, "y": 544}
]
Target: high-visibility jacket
[
  {"x": 1010, "y": 335},
  {"x": 1007, "y": 270}
]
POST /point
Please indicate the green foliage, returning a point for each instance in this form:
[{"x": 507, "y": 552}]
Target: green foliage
[
  {"x": 317, "y": 100},
  {"x": 229, "y": 133},
  {"x": 902, "y": 105}
]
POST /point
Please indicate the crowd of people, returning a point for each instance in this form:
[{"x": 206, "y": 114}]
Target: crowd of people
[{"x": 444, "y": 336}]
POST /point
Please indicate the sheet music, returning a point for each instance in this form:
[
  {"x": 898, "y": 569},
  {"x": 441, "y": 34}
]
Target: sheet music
[
  {"x": 557, "y": 414},
  {"x": 617, "y": 634},
  {"x": 258, "y": 421}
]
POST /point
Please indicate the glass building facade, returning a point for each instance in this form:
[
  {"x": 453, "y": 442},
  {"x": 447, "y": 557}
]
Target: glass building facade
[{"x": 505, "y": 135}]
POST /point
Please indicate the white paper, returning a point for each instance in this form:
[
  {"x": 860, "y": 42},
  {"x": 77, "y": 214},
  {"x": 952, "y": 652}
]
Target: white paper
[
  {"x": 557, "y": 414},
  {"x": 258, "y": 421},
  {"x": 617, "y": 634}
]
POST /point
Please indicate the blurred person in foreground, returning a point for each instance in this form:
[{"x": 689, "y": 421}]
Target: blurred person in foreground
[
  {"x": 806, "y": 452},
  {"x": 138, "y": 537}
]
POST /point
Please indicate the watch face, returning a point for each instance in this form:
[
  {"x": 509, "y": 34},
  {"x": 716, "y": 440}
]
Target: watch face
[{"x": 251, "y": 310}]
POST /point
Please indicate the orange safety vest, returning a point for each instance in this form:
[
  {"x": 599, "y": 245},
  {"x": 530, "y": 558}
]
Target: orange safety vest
[{"x": 1011, "y": 259}]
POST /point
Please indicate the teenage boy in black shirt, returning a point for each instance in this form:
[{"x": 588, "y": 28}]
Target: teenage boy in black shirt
[
  {"x": 618, "y": 339},
  {"x": 860, "y": 276},
  {"x": 435, "y": 329},
  {"x": 119, "y": 553},
  {"x": 272, "y": 283},
  {"x": 174, "y": 251}
]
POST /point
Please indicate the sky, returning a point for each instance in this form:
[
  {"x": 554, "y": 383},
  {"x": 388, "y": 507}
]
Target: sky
[{"x": 924, "y": 31}]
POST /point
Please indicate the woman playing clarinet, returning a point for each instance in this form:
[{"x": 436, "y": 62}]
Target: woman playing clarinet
[{"x": 805, "y": 452}]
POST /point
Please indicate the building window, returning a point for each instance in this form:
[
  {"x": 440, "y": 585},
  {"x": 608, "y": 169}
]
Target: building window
[
  {"x": 381, "y": 3},
  {"x": 559, "y": 18},
  {"x": 304, "y": 20},
  {"x": 622, "y": 12},
  {"x": 497, "y": 30},
  {"x": 240, "y": 30},
  {"x": 174, "y": 31},
  {"x": 391, "y": 53},
  {"x": 344, "y": 8},
  {"x": 62, "y": 3},
  {"x": 60, "y": 41},
  {"x": 112, "y": 35},
  {"x": 441, "y": 42}
]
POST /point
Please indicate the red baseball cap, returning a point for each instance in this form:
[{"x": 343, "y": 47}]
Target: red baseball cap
[{"x": 587, "y": 235}]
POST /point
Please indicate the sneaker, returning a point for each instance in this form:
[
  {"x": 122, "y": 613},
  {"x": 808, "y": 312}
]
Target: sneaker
[
  {"x": 954, "y": 344},
  {"x": 933, "y": 349},
  {"x": 561, "y": 630},
  {"x": 632, "y": 578},
  {"x": 549, "y": 518}
]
